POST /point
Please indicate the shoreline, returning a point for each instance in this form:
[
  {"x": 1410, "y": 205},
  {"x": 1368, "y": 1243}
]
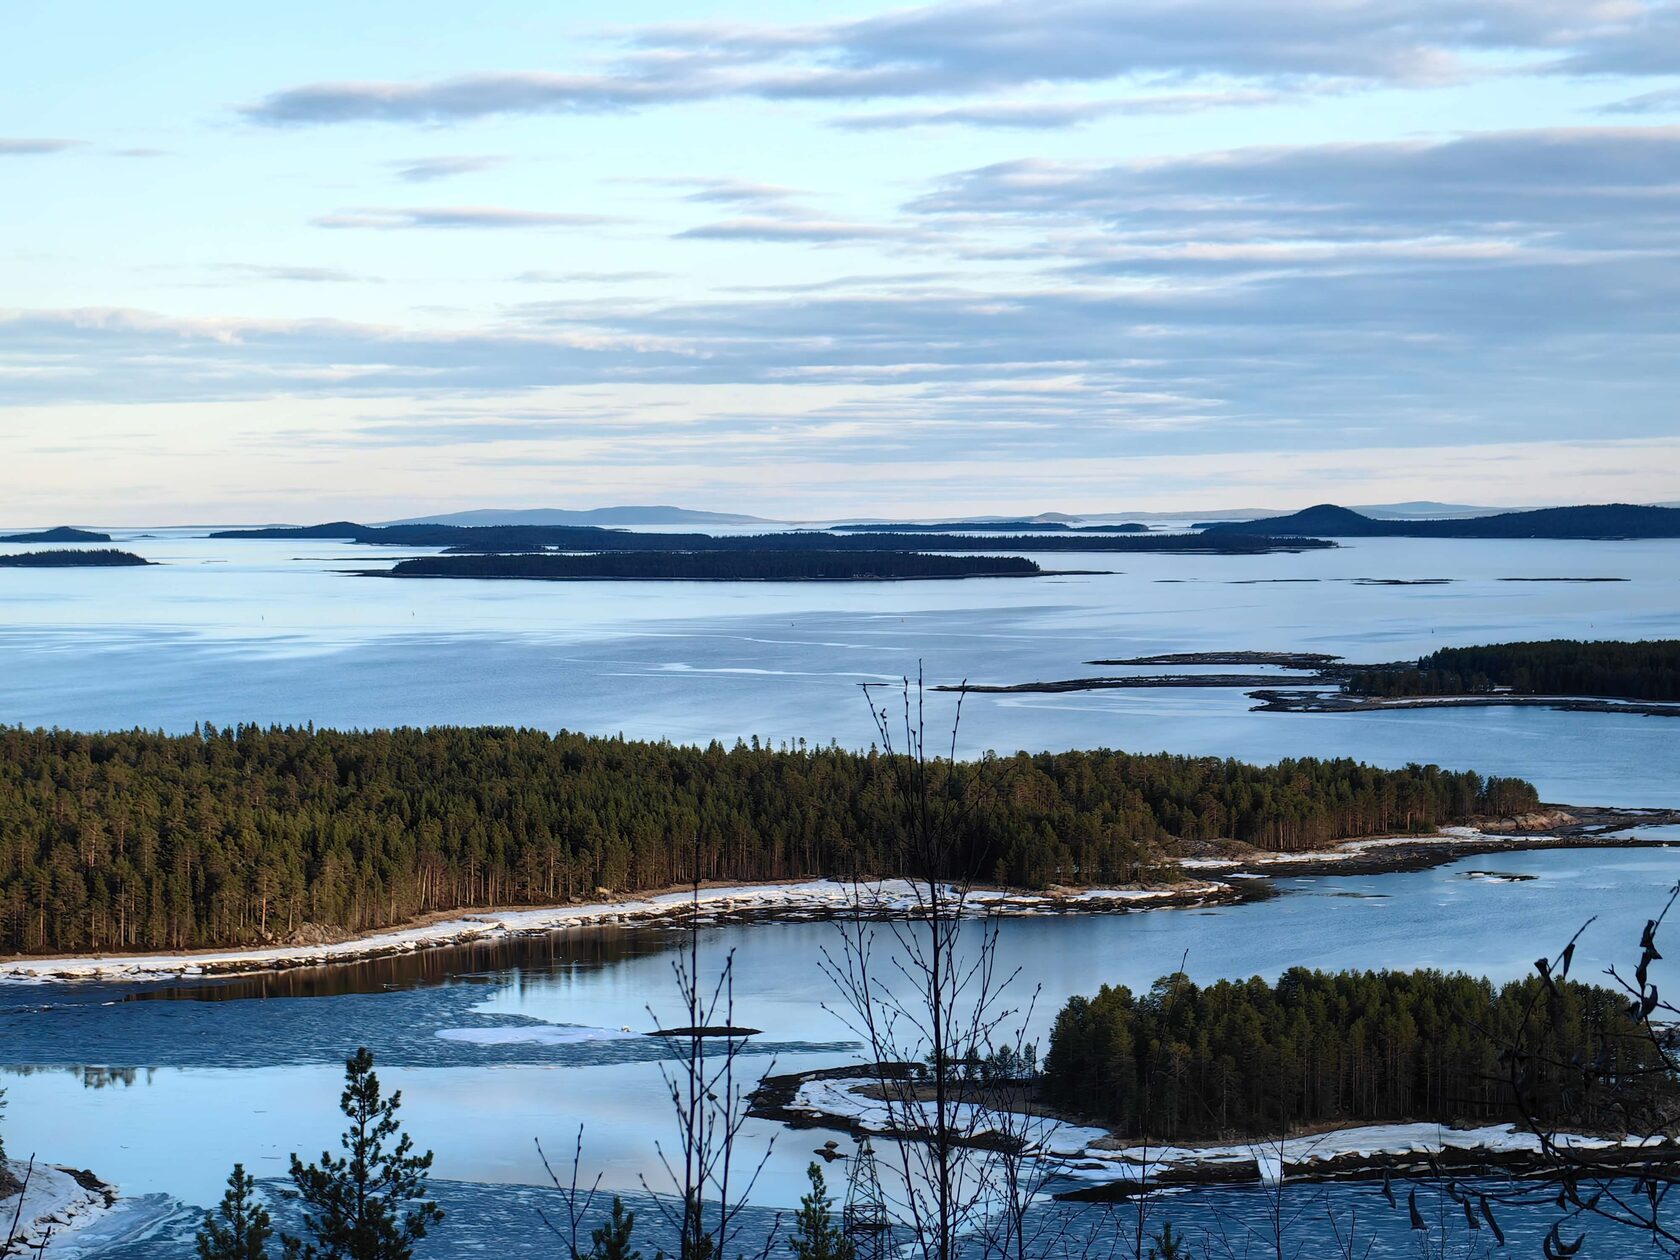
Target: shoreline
[
  {"x": 1210, "y": 878},
  {"x": 801, "y": 900},
  {"x": 1111, "y": 1169},
  {"x": 57, "y": 1204}
]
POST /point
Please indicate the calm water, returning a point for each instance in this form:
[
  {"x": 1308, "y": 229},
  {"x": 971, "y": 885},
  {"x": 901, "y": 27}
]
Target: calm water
[
  {"x": 276, "y": 632},
  {"x": 494, "y": 1048}
]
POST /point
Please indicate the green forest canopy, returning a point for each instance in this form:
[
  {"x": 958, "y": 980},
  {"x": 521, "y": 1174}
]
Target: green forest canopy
[
  {"x": 145, "y": 841},
  {"x": 1647, "y": 670},
  {"x": 1245, "y": 1058}
]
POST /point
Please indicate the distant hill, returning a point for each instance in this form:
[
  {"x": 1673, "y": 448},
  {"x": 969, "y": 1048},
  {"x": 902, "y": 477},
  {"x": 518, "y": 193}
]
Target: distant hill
[
  {"x": 1603, "y": 521},
  {"x": 656, "y": 515},
  {"x": 60, "y": 534}
]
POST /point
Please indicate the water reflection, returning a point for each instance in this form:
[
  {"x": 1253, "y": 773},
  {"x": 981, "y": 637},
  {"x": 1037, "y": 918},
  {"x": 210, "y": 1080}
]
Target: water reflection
[{"x": 509, "y": 961}]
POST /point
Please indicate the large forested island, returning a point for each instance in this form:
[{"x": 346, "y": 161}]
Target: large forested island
[
  {"x": 149, "y": 841},
  {"x": 58, "y": 534},
  {"x": 1644, "y": 670},
  {"x": 713, "y": 566},
  {"x": 1604, "y": 521},
  {"x": 1257, "y": 1059},
  {"x": 511, "y": 538},
  {"x": 95, "y": 558}
]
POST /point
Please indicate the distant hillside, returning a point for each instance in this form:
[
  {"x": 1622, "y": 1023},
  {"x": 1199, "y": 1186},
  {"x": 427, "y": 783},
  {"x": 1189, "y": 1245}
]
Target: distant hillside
[
  {"x": 60, "y": 534},
  {"x": 1602, "y": 521},
  {"x": 656, "y": 515},
  {"x": 103, "y": 558}
]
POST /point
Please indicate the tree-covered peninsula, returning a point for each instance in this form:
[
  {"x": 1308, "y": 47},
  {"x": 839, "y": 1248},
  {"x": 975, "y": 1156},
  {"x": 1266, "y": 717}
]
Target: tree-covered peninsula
[
  {"x": 713, "y": 566},
  {"x": 1644, "y": 670},
  {"x": 1249, "y": 1058},
  {"x": 141, "y": 840}
]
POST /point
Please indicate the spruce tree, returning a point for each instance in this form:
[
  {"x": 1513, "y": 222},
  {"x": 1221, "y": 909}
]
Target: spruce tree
[
  {"x": 612, "y": 1240},
  {"x": 239, "y": 1228},
  {"x": 815, "y": 1235},
  {"x": 369, "y": 1203}
]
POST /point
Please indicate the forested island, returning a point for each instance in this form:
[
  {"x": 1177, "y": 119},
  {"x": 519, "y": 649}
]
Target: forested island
[
  {"x": 58, "y": 534},
  {"x": 713, "y": 566},
  {"x": 1648, "y": 670},
  {"x": 462, "y": 539},
  {"x": 237, "y": 836},
  {"x": 1600, "y": 521},
  {"x": 1603, "y": 676},
  {"x": 1257, "y": 1059},
  {"x": 103, "y": 557}
]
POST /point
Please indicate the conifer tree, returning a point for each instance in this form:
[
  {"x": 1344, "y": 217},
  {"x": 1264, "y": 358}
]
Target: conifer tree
[
  {"x": 612, "y": 1240},
  {"x": 239, "y": 1228},
  {"x": 815, "y": 1235},
  {"x": 369, "y": 1203}
]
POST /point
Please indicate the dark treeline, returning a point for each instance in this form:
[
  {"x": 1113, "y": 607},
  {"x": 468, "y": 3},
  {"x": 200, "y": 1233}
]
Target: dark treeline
[
  {"x": 93, "y": 558},
  {"x": 1557, "y": 667},
  {"x": 148, "y": 841},
  {"x": 715, "y": 566},
  {"x": 491, "y": 538},
  {"x": 1248, "y": 1058}
]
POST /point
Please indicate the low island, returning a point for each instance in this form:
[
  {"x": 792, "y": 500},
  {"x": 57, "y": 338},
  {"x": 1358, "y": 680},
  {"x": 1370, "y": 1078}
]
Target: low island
[
  {"x": 101, "y": 558},
  {"x": 579, "y": 538},
  {"x": 714, "y": 566}
]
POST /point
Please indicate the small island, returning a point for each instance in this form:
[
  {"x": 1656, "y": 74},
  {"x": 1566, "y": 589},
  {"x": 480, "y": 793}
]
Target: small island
[
  {"x": 707, "y": 566},
  {"x": 59, "y": 534},
  {"x": 103, "y": 558},
  {"x": 1586, "y": 677}
]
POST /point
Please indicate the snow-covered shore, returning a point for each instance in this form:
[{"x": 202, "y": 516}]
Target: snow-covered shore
[
  {"x": 813, "y": 899},
  {"x": 1090, "y": 1155},
  {"x": 57, "y": 1204}
]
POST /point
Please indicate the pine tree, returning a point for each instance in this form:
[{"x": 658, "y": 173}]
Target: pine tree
[
  {"x": 1169, "y": 1246},
  {"x": 239, "y": 1228},
  {"x": 369, "y": 1203},
  {"x": 612, "y": 1240},
  {"x": 815, "y": 1235}
]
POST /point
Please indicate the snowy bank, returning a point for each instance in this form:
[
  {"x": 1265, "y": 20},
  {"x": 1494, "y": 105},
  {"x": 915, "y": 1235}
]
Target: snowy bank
[
  {"x": 57, "y": 1203},
  {"x": 813, "y": 899},
  {"x": 841, "y": 1099}
]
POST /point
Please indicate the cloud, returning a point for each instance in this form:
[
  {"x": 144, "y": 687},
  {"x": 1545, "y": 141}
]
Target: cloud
[
  {"x": 424, "y": 170},
  {"x": 1663, "y": 102},
  {"x": 984, "y": 46},
  {"x": 495, "y": 217},
  {"x": 301, "y": 275},
  {"x": 19, "y": 146},
  {"x": 589, "y": 277},
  {"x": 1046, "y": 115},
  {"x": 811, "y": 231}
]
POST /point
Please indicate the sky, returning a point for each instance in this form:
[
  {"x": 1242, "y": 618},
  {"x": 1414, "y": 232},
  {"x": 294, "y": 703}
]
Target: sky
[{"x": 320, "y": 260}]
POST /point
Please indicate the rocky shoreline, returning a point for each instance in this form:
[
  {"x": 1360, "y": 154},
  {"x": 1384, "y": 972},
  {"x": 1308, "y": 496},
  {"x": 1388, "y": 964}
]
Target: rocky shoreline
[{"x": 57, "y": 1202}]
